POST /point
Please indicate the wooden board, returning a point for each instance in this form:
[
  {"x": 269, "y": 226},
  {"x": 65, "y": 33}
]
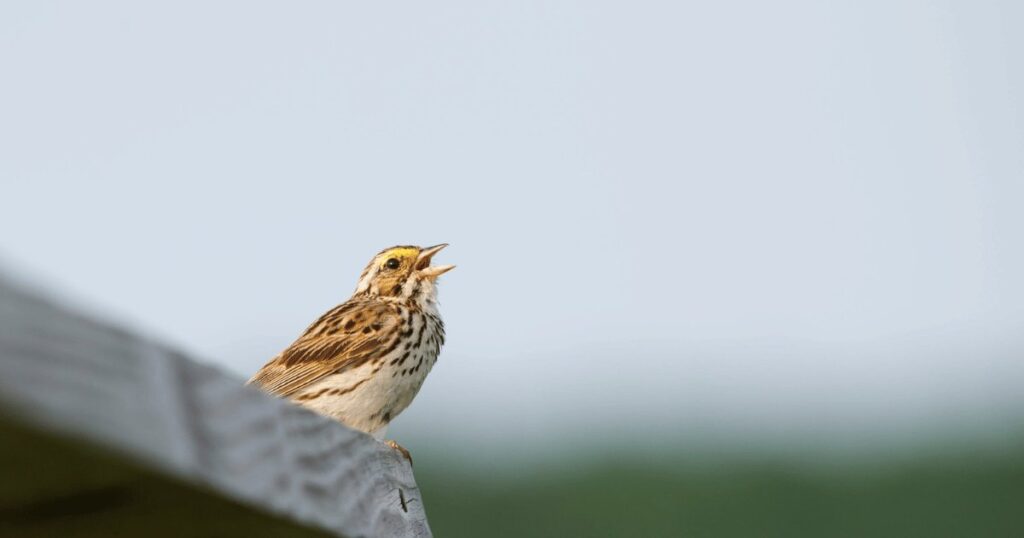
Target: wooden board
[{"x": 70, "y": 374}]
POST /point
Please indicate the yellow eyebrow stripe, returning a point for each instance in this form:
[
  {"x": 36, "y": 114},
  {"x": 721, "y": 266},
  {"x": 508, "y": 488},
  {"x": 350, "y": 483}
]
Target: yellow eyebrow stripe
[{"x": 400, "y": 252}]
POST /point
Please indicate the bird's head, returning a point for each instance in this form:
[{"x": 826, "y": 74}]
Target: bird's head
[{"x": 403, "y": 272}]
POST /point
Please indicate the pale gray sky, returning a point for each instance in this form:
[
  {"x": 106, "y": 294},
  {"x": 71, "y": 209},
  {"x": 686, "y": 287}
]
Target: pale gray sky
[{"x": 666, "y": 216}]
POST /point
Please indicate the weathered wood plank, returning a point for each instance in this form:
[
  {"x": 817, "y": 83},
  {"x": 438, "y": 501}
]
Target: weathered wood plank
[{"x": 69, "y": 373}]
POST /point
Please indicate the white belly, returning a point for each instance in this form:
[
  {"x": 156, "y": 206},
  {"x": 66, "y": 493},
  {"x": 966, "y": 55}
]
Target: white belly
[{"x": 370, "y": 396}]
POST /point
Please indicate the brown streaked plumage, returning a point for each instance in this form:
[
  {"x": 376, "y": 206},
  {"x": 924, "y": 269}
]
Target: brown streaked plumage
[
  {"x": 347, "y": 336},
  {"x": 363, "y": 361}
]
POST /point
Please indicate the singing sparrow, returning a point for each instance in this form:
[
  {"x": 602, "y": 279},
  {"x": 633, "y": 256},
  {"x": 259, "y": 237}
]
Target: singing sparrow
[{"x": 363, "y": 361}]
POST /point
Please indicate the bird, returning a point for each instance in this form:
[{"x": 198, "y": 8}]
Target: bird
[{"x": 362, "y": 362}]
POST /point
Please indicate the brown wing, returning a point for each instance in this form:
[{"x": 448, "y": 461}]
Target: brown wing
[{"x": 347, "y": 336}]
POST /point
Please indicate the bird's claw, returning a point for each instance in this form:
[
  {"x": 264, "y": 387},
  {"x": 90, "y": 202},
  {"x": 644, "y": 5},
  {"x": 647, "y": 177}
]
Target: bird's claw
[{"x": 400, "y": 449}]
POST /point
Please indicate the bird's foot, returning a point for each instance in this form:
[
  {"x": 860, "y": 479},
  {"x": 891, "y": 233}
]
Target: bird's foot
[{"x": 399, "y": 448}]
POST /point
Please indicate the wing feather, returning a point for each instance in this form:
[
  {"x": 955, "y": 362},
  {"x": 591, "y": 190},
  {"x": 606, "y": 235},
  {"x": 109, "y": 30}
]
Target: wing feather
[{"x": 346, "y": 337}]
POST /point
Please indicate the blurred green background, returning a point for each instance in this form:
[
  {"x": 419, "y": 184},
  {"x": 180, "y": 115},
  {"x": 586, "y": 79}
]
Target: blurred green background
[{"x": 970, "y": 491}]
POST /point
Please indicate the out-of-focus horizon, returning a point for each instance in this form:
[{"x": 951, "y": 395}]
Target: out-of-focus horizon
[{"x": 671, "y": 221}]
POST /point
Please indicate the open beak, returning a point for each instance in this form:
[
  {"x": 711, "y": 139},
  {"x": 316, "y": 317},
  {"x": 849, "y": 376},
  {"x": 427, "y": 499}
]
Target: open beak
[{"x": 423, "y": 262}]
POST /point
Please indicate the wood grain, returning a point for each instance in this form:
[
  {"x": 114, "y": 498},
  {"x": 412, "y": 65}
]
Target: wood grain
[{"x": 69, "y": 373}]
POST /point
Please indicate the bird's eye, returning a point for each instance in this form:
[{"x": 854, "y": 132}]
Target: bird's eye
[{"x": 392, "y": 263}]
